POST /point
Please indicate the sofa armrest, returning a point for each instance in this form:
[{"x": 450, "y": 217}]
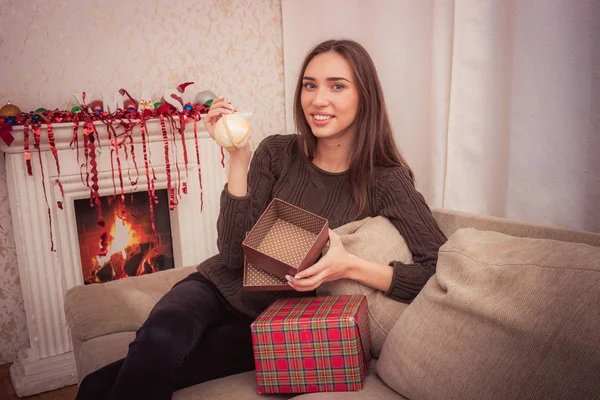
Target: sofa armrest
[{"x": 119, "y": 306}]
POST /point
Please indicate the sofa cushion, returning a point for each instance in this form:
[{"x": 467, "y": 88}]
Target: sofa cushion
[
  {"x": 233, "y": 387},
  {"x": 502, "y": 318},
  {"x": 98, "y": 352},
  {"x": 117, "y": 306},
  {"x": 450, "y": 221},
  {"x": 373, "y": 389},
  {"x": 377, "y": 240}
]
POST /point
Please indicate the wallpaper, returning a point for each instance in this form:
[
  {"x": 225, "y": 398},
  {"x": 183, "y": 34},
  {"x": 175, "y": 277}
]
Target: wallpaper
[{"x": 53, "y": 49}]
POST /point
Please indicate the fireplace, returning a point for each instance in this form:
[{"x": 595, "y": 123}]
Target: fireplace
[
  {"x": 186, "y": 234},
  {"x": 138, "y": 242}
]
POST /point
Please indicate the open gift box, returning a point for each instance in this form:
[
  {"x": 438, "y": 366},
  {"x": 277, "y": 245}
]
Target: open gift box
[{"x": 284, "y": 241}]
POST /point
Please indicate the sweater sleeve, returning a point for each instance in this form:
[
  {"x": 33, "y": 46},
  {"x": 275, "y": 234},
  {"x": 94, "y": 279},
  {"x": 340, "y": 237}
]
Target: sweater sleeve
[
  {"x": 239, "y": 214},
  {"x": 405, "y": 207}
]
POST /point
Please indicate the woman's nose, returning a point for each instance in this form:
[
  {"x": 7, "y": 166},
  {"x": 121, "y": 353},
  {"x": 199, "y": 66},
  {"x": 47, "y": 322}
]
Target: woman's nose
[{"x": 321, "y": 98}]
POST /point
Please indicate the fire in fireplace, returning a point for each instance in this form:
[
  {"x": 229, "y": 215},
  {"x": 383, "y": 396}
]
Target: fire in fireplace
[{"x": 133, "y": 249}]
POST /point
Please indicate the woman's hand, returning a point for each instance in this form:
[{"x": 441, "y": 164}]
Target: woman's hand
[
  {"x": 219, "y": 106},
  {"x": 334, "y": 265},
  {"x": 237, "y": 182}
]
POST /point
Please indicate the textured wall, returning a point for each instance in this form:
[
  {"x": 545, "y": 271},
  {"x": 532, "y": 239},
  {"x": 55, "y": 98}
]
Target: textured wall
[
  {"x": 52, "y": 49},
  {"x": 13, "y": 325}
]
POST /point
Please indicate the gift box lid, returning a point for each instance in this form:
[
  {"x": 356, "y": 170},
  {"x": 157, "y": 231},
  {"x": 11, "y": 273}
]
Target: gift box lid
[
  {"x": 286, "y": 239},
  {"x": 315, "y": 309}
]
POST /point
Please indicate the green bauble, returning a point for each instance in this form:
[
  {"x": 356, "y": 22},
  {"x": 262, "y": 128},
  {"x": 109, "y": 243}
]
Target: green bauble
[
  {"x": 157, "y": 104},
  {"x": 40, "y": 110},
  {"x": 208, "y": 103},
  {"x": 75, "y": 109}
]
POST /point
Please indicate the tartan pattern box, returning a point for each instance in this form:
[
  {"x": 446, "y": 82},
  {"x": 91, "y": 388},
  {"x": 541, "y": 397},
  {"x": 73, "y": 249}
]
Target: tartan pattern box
[{"x": 312, "y": 344}]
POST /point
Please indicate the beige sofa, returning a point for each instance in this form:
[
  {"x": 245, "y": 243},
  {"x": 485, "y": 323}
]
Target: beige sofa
[{"x": 512, "y": 312}]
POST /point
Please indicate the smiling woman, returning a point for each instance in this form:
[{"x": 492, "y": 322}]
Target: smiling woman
[
  {"x": 329, "y": 99},
  {"x": 342, "y": 165}
]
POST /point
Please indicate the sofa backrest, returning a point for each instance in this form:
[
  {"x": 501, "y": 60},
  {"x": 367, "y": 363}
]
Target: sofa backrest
[{"x": 450, "y": 221}]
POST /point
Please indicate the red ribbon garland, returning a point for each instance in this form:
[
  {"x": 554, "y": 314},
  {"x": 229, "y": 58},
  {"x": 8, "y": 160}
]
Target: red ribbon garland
[
  {"x": 91, "y": 142},
  {"x": 150, "y": 182},
  {"x": 53, "y": 146},
  {"x": 62, "y": 193},
  {"x": 26, "y": 149},
  {"x": 115, "y": 142},
  {"x": 167, "y": 163},
  {"x": 184, "y": 148},
  {"x": 173, "y": 129},
  {"x": 36, "y": 145},
  {"x": 55, "y": 154},
  {"x": 89, "y": 131},
  {"x": 128, "y": 136},
  {"x": 198, "y": 164},
  {"x": 86, "y": 151}
]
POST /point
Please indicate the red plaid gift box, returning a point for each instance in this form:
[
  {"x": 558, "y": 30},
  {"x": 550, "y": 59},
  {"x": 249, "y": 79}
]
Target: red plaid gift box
[{"x": 312, "y": 344}]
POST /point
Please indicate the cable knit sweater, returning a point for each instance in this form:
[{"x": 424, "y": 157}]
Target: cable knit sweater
[{"x": 278, "y": 169}]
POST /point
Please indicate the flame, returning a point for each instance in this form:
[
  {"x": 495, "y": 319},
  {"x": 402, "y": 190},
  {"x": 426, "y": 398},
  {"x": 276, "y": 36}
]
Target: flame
[{"x": 122, "y": 235}]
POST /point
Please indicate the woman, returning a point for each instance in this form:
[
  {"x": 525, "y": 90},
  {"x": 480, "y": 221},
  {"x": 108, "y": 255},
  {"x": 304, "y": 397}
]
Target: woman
[{"x": 343, "y": 164}]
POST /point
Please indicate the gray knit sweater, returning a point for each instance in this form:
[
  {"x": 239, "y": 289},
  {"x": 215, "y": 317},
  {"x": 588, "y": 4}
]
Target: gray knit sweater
[{"x": 279, "y": 170}]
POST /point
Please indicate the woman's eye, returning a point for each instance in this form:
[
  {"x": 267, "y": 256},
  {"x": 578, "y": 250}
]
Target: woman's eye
[
  {"x": 309, "y": 85},
  {"x": 338, "y": 86}
]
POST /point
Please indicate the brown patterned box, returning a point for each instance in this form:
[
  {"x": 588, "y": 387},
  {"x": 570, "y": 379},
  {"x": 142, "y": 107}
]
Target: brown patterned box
[
  {"x": 255, "y": 279},
  {"x": 284, "y": 241}
]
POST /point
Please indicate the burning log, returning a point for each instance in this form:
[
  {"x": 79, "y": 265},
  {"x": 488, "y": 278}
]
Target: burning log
[
  {"x": 162, "y": 262},
  {"x": 104, "y": 273},
  {"x": 135, "y": 256},
  {"x": 117, "y": 262}
]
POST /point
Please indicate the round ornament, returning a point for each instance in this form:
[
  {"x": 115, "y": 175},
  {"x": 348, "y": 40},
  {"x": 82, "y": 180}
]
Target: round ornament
[
  {"x": 129, "y": 105},
  {"x": 232, "y": 131},
  {"x": 205, "y": 96},
  {"x": 40, "y": 110},
  {"x": 97, "y": 106},
  {"x": 75, "y": 109},
  {"x": 9, "y": 110}
]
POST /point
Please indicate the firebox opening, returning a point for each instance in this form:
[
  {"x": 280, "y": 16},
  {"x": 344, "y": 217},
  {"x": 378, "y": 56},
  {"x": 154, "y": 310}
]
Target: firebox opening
[{"x": 133, "y": 248}]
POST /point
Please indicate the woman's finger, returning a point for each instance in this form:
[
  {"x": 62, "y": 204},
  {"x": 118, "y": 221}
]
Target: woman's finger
[
  {"x": 308, "y": 284},
  {"x": 221, "y": 103},
  {"x": 312, "y": 270},
  {"x": 219, "y": 111}
]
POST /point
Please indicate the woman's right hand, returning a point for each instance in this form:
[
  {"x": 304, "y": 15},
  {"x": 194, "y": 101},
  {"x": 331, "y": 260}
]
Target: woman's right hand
[
  {"x": 219, "y": 106},
  {"x": 237, "y": 183}
]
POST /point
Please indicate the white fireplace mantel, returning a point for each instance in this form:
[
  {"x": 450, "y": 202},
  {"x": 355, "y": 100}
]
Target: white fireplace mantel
[{"x": 45, "y": 275}]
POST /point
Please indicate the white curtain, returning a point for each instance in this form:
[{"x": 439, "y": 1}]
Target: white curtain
[{"x": 494, "y": 103}]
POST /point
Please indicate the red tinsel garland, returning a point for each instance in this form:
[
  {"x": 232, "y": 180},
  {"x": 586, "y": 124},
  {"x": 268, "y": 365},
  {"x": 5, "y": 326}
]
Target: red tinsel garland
[{"x": 127, "y": 120}]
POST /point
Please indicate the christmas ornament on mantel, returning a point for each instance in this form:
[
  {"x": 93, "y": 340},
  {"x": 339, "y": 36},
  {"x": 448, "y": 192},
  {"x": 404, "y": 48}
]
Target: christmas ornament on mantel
[{"x": 118, "y": 120}]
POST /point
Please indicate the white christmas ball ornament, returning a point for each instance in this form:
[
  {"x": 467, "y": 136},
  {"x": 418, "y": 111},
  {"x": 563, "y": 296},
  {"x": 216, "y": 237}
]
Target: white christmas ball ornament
[
  {"x": 204, "y": 96},
  {"x": 232, "y": 131}
]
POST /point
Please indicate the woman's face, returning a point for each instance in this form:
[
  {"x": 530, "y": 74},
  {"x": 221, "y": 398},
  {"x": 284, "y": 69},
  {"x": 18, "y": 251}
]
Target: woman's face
[{"x": 329, "y": 96}]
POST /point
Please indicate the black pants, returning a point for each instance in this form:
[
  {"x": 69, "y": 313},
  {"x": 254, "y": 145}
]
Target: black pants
[{"x": 192, "y": 335}]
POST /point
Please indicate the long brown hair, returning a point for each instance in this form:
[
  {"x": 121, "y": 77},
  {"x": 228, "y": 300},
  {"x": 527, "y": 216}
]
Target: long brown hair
[{"x": 374, "y": 144}]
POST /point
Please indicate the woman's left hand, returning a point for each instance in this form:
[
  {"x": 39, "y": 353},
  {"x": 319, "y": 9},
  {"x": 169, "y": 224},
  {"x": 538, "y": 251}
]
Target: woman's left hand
[{"x": 332, "y": 266}]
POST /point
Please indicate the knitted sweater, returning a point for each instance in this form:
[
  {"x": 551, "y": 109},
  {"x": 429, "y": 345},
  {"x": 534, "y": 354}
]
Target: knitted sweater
[{"x": 278, "y": 169}]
